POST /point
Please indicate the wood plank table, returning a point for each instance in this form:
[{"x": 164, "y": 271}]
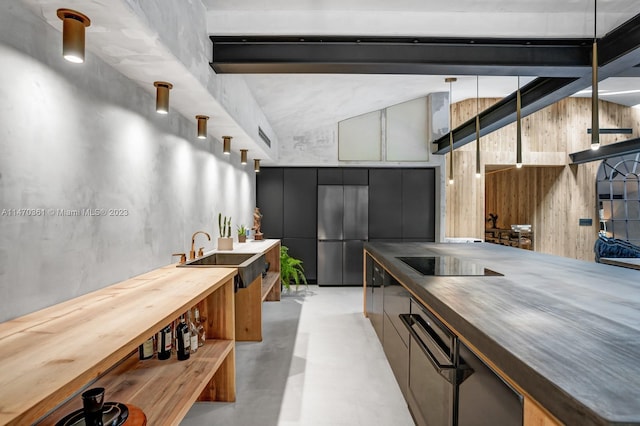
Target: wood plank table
[{"x": 50, "y": 356}]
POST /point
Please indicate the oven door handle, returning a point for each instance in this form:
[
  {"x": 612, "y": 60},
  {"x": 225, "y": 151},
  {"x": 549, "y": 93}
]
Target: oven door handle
[{"x": 448, "y": 371}]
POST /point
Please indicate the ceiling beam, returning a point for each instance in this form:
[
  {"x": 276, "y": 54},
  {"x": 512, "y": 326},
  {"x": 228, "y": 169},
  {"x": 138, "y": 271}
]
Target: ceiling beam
[
  {"x": 400, "y": 55},
  {"x": 630, "y": 146},
  {"x": 618, "y": 51}
]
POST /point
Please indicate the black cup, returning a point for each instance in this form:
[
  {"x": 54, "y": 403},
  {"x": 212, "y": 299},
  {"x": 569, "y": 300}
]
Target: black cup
[{"x": 92, "y": 403}]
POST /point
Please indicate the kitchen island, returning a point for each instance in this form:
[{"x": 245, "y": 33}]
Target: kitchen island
[{"x": 564, "y": 333}]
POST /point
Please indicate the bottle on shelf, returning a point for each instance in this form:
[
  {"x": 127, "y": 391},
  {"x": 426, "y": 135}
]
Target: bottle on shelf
[
  {"x": 199, "y": 327},
  {"x": 183, "y": 336},
  {"x": 145, "y": 350},
  {"x": 193, "y": 331},
  {"x": 164, "y": 340}
]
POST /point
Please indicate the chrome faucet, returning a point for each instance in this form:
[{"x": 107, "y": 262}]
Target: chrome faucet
[{"x": 192, "y": 253}]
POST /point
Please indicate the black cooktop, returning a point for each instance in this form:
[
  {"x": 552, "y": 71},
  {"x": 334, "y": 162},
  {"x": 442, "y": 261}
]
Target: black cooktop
[{"x": 447, "y": 266}]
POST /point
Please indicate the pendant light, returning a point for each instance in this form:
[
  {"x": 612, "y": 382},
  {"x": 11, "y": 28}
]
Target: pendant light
[
  {"x": 226, "y": 145},
  {"x": 243, "y": 156},
  {"x": 595, "y": 121},
  {"x": 478, "y": 172},
  {"x": 162, "y": 96},
  {"x": 518, "y": 127},
  {"x": 202, "y": 126},
  {"x": 450, "y": 80},
  {"x": 73, "y": 28},
  {"x": 256, "y": 165}
]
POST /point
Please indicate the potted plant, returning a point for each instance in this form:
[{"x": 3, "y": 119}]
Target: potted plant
[
  {"x": 225, "y": 242},
  {"x": 291, "y": 269},
  {"x": 242, "y": 234}
]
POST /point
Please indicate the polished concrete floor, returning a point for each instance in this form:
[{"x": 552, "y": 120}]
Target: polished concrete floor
[{"x": 320, "y": 363}]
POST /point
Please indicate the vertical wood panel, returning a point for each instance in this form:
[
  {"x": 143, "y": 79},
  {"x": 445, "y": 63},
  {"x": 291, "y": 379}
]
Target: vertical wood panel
[{"x": 547, "y": 192}]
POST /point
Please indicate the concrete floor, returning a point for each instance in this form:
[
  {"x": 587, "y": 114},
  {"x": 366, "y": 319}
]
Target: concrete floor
[{"x": 320, "y": 363}]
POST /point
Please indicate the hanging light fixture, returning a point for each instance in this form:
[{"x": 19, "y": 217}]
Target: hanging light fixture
[
  {"x": 243, "y": 156},
  {"x": 256, "y": 165},
  {"x": 162, "y": 96},
  {"x": 518, "y": 127},
  {"x": 478, "y": 172},
  {"x": 226, "y": 145},
  {"x": 202, "y": 126},
  {"x": 450, "y": 80},
  {"x": 595, "y": 121},
  {"x": 73, "y": 28}
]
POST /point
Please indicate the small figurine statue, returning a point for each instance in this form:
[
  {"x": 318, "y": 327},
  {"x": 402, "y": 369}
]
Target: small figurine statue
[
  {"x": 257, "y": 218},
  {"x": 493, "y": 218}
]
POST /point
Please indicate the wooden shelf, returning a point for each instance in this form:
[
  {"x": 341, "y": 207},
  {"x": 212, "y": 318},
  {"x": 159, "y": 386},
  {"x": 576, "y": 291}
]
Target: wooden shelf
[
  {"x": 49, "y": 356},
  {"x": 268, "y": 282},
  {"x": 164, "y": 390}
]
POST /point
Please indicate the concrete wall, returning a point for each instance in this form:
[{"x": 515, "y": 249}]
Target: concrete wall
[{"x": 76, "y": 137}]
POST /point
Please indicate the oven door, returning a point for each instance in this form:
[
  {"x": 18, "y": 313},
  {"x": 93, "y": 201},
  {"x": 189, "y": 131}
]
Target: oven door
[{"x": 432, "y": 371}]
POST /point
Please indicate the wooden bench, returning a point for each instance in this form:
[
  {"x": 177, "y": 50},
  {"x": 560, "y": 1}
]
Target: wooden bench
[{"x": 50, "y": 356}]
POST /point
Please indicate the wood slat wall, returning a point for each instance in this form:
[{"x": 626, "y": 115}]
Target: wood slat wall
[{"x": 547, "y": 192}]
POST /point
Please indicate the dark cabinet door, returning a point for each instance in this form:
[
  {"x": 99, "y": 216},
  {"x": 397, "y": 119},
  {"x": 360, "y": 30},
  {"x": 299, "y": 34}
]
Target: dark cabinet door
[
  {"x": 329, "y": 176},
  {"x": 300, "y": 203},
  {"x": 269, "y": 198},
  {"x": 377, "y": 299},
  {"x": 385, "y": 203},
  {"x": 355, "y": 177},
  {"x": 305, "y": 250},
  {"x": 418, "y": 204}
]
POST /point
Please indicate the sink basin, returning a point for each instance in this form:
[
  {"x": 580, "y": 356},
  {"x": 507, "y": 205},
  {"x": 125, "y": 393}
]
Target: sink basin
[{"x": 250, "y": 266}]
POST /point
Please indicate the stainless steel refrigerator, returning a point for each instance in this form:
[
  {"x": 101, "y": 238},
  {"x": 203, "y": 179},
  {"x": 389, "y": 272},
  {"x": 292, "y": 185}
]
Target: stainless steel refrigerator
[{"x": 343, "y": 227}]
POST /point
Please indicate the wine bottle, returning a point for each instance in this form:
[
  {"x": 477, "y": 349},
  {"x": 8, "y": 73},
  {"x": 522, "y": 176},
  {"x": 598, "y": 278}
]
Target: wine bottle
[
  {"x": 194, "y": 334},
  {"x": 202, "y": 336},
  {"x": 164, "y": 343},
  {"x": 184, "y": 340},
  {"x": 145, "y": 350}
]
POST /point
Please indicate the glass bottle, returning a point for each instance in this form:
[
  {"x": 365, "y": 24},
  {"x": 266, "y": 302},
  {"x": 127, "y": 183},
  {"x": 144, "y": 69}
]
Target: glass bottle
[
  {"x": 202, "y": 336},
  {"x": 193, "y": 332}
]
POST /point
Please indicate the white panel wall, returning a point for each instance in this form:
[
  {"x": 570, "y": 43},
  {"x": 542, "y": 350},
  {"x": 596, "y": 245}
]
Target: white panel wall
[
  {"x": 360, "y": 138},
  {"x": 76, "y": 137},
  {"x": 406, "y": 126}
]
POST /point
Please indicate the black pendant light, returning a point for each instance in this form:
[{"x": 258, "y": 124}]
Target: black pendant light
[
  {"x": 595, "y": 121},
  {"x": 478, "y": 172},
  {"x": 450, "y": 80}
]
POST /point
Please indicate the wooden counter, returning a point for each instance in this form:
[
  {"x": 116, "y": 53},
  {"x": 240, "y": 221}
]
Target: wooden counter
[
  {"x": 53, "y": 354},
  {"x": 248, "y": 301}
]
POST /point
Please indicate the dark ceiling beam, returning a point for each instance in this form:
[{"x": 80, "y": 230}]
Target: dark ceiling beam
[
  {"x": 618, "y": 51},
  {"x": 630, "y": 146},
  {"x": 400, "y": 55}
]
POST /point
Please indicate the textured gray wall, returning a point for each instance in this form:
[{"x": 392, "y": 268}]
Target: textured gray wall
[{"x": 85, "y": 137}]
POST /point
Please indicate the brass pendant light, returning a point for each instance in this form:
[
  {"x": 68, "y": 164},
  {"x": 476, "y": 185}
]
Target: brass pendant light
[
  {"x": 73, "y": 29},
  {"x": 450, "y": 80},
  {"x": 518, "y": 127},
  {"x": 226, "y": 145},
  {"x": 256, "y": 165},
  {"x": 243, "y": 156},
  {"x": 202, "y": 126},
  {"x": 595, "y": 120},
  {"x": 478, "y": 172},
  {"x": 162, "y": 96}
]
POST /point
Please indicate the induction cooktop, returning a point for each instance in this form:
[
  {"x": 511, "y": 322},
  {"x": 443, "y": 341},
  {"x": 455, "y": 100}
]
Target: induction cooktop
[{"x": 447, "y": 266}]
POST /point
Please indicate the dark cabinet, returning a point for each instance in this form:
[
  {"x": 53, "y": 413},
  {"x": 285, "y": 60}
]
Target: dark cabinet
[
  {"x": 299, "y": 203},
  {"x": 385, "y": 200},
  {"x": 330, "y": 176},
  {"x": 355, "y": 176},
  {"x": 396, "y": 336},
  {"x": 305, "y": 250},
  {"x": 269, "y": 197},
  {"x": 418, "y": 204},
  {"x": 376, "y": 313}
]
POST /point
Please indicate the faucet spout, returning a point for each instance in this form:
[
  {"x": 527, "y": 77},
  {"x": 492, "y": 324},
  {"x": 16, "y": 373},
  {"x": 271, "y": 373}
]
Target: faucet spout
[{"x": 192, "y": 253}]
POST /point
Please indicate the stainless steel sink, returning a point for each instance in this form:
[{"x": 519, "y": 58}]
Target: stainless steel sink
[{"x": 250, "y": 266}]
